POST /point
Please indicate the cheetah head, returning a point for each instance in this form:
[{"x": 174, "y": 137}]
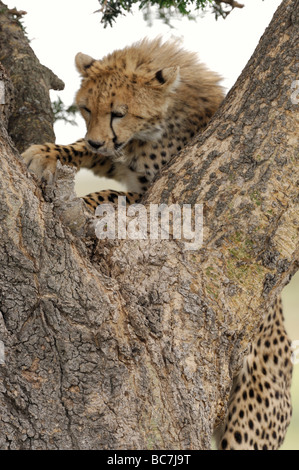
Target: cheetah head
[{"x": 121, "y": 102}]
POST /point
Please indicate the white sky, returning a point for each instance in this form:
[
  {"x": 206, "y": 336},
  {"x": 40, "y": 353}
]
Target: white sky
[{"x": 58, "y": 29}]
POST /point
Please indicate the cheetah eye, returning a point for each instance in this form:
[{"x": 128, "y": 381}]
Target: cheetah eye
[
  {"x": 117, "y": 114},
  {"x": 84, "y": 108}
]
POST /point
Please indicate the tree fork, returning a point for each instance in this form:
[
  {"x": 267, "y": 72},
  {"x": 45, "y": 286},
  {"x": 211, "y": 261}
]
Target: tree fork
[{"x": 133, "y": 344}]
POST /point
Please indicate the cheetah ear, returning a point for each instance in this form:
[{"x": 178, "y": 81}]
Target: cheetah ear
[
  {"x": 83, "y": 62},
  {"x": 168, "y": 77}
]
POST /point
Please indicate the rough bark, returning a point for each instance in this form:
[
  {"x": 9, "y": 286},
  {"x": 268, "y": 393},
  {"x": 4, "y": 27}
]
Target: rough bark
[
  {"x": 31, "y": 117},
  {"x": 133, "y": 344}
]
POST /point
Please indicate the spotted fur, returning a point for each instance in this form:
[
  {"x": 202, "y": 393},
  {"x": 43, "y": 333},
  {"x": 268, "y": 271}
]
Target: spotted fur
[
  {"x": 260, "y": 408},
  {"x": 141, "y": 105}
]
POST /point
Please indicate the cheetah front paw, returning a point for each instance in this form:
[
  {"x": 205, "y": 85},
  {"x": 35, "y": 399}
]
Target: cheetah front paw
[{"x": 41, "y": 160}]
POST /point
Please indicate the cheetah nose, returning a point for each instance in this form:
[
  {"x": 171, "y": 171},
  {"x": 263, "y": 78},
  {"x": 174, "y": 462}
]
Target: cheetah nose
[{"x": 95, "y": 145}]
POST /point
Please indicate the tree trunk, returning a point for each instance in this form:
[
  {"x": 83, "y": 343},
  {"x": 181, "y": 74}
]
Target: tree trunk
[
  {"x": 132, "y": 344},
  {"x": 31, "y": 117}
]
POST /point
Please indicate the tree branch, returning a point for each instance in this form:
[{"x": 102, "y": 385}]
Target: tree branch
[{"x": 232, "y": 3}]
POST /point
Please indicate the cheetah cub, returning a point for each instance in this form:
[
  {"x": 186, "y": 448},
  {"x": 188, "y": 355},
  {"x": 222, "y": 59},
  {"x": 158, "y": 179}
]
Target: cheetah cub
[{"x": 141, "y": 106}]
